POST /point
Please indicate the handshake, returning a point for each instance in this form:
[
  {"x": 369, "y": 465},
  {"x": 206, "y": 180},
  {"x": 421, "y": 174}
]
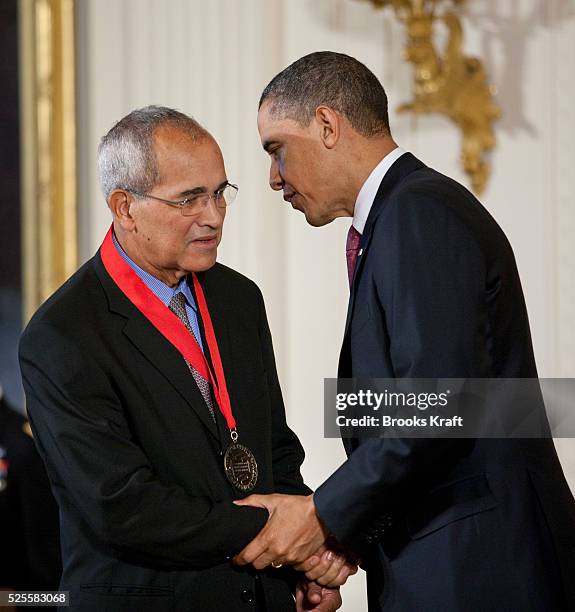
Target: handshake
[{"x": 294, "y": 535}]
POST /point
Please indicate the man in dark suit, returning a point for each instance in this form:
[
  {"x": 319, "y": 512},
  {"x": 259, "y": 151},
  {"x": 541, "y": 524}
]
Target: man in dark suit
[
  {"x": 153, "y": 395},
  {"x": 441, "y": 524}
]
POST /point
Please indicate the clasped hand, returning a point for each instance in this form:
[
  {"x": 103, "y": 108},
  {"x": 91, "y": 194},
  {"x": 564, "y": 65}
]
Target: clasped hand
[{"x": 294, "y": 535}]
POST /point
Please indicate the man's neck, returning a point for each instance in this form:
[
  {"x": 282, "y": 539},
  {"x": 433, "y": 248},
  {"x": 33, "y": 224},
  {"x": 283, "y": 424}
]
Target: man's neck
[
  {"x": 373, "y": 158},
  {"x": 369, "y": 155}
]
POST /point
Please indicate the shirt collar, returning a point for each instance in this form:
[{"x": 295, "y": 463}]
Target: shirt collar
[
  {"x": 368, "y": 191},
  {"x": 164, "y": 292}
]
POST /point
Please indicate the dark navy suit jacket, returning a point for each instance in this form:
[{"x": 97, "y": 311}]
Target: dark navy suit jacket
[{"x": 446, "y": 525}]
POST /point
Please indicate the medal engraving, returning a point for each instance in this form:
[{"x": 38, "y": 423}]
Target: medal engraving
[{"x": 241, "y": 467}]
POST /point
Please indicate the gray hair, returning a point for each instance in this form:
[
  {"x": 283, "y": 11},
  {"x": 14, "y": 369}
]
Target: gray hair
[
  {"x": 332, "y": 79},
  {"x": 126, "y": 157}
]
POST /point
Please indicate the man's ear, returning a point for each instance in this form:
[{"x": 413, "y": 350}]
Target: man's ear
[
  {"x": 119, "y": 202},
  {"x": 329, "y": 124}
]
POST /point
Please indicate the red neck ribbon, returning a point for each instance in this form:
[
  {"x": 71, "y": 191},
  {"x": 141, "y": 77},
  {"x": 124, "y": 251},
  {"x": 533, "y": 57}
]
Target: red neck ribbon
[{"x": 169, "y": 325}]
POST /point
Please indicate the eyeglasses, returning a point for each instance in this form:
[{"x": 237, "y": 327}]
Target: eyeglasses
[{"x": 195, "y": 204}]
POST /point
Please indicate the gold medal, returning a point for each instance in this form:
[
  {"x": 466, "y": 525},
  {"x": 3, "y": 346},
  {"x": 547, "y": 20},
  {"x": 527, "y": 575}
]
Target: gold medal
[{"x": 241, "y": 467}]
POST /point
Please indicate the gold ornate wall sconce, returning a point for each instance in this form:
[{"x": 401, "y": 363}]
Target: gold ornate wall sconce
[{"x": 449, "y": 82}]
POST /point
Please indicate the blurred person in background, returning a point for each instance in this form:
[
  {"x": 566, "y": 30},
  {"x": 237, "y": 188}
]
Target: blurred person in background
[{"x": 30, "y": 550}]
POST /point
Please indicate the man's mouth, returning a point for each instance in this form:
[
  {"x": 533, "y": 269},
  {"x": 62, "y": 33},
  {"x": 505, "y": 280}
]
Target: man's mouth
[
  {"x": 206, "y": 242},
  {"x": 290, "y": 197}
]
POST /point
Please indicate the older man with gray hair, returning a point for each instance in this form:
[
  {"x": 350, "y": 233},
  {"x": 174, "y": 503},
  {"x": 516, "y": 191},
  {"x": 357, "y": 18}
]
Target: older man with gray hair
[{"x": 153, "y": 395}]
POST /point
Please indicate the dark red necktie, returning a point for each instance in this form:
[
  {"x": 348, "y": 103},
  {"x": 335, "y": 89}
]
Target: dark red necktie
[{"x": 351, "y": 251}]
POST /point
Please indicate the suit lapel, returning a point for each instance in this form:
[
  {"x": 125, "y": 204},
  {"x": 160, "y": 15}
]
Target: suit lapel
[
  {"x": 230, "y": 331},
  {"x": 406, "y": 164},
  {"x": 157, "y": 350}
]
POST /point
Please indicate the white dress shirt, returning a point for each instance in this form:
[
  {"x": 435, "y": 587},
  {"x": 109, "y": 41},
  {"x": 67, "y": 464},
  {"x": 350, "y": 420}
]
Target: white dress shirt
[{"x": 368, "y": 190}]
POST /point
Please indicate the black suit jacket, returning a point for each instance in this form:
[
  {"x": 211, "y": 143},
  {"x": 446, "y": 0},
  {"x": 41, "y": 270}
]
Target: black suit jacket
[
  {"x": 446, "y": 525},
  {"x": 135, "y": 459}
]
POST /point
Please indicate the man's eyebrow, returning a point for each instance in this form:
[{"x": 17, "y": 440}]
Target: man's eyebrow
[
  {"x": 202, "y": 189},
  {"x": 268, "y": 144}
]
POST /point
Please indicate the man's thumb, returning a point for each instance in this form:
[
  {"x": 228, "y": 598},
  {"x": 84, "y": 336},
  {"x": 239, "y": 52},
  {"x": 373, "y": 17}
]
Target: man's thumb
[{"x": 314, "y": 593}]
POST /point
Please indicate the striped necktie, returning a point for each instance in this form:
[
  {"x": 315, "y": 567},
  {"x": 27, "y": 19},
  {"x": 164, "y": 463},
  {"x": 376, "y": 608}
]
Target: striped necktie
[{"x": 178, "y": 307}]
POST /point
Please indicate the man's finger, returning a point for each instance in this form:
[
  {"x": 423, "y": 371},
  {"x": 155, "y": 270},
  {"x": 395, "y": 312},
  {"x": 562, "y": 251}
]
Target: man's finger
[
  {"x": 326, "y": 562},
  {"x": 319, "y": 569},
  {"x": 300, "y": 594},
  {"x": 254, "y": 500},
  {"x": 330, "y": 601},
  {"x": 337, "y": 561},
  {"x": 314, "y": 593},
  {"x": 265, "y": 559},
  {"x": 253, "y": 550},
  {"x": 308, "y": 564},
  {"x": 341, "y": 579}
]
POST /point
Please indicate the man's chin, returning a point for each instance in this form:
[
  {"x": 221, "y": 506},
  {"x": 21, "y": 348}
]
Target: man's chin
[
  {"x": 317, "y": 221},
  {"x": 201, "y": 264}
]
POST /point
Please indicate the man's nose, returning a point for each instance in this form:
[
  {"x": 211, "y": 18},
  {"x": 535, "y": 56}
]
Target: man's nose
[
  {"x": 276, "y": 181},
  {"x": 212, "y": 214}
]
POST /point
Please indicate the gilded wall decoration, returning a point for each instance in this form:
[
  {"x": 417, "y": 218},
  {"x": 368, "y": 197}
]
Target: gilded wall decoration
[
  {"x": 449, "y": 82},
  {"x": 48, "y": 147}
]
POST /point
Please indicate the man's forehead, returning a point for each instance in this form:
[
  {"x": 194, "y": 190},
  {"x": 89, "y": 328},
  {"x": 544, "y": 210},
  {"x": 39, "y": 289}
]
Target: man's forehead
[
  {"x": 168, "y": 137},
  {"x": 265, "y": 119},
  {"x": 272, "y": 128},
  {"x": 177, "y": 146},
  {"x": 188, "y": 163}
]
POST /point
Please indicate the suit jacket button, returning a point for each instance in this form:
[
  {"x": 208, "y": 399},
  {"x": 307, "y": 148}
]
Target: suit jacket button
[{"x": 248, "y": 596}]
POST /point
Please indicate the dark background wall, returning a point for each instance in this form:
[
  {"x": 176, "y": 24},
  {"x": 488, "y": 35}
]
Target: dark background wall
[{"x": 10, "y": 241}]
